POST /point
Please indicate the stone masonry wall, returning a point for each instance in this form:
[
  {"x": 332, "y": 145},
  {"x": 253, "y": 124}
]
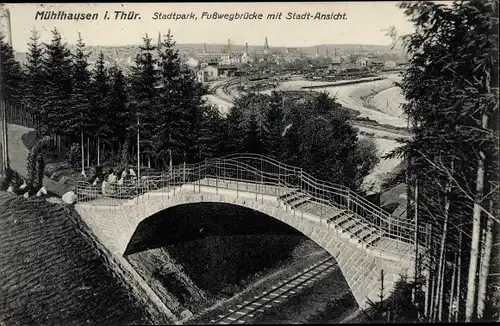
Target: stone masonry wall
[{"x": 361, "y": 267}]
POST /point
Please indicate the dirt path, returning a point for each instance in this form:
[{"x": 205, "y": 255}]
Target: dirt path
[{"x": 18, "y": 154}]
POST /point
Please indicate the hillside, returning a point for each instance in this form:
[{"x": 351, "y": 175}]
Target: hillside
[{"x": 53, "y": 271}]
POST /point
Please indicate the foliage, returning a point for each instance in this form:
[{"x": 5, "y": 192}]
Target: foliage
[
  {"x": 75, "y": 155},
  {"x": 452, "y": 103},
  {"x": 11, "y": 72},
  {"x": 396, "y": 308},
  {"x": 34, "y": 80},
  {"x": 365, "y": 159},
  {"x": 80, "y": 117},
  {"x": 57, "y": 102},
  {"x": 143, "y": 104},
  {"x": 10, "y": 178},
  {"x": 35, "y": 164}
]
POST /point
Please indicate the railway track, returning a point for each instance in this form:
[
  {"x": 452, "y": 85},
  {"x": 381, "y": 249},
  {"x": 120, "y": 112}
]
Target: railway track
[{"x": 276, "y": 294}]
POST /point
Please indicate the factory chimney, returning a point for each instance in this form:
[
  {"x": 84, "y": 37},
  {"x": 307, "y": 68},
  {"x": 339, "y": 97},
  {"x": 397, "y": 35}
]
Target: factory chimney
[{"x": 9, "y": 27}]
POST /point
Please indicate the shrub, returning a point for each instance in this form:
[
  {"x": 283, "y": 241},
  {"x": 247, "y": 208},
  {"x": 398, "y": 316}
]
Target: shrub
[
  {"x": 75, "y": 155},
  {"x": 10, "y": 178},
  {"x": 36, "y": 164}
]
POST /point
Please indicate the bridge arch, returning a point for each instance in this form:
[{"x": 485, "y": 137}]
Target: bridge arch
[
  {"x": 195, "y": 221},
  {"x": 359, "y": 260}
]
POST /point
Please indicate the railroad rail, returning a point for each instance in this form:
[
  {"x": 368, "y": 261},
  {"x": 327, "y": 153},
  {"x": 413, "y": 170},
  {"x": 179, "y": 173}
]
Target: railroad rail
[{"x": 274, "y": 295}]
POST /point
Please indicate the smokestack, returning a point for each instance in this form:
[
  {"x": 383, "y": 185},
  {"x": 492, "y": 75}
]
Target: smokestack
[
  {"x": 205, "y": 47},
  {"x": 229, "y": 46},
  {"x": 266, "y": 47},
  {"x": 9, "y": 27},
  {"x": 246, "y": 48},
  {"x": 159, "y": 40}
]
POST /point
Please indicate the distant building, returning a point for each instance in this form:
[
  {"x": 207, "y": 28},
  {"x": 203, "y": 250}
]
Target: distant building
[
  {"x": 361, "y": 62},
  {"x": 210, "y": 58},
  {"x": 390, "y": 65},
  {"x": 192, "y": 63},
  {"x": 246, "y": 58},
  {"x": 227, "y": 70},
  {"x": 207, "y": 74},
  {"x": 229, "y": 59},
  {"x": 336, "y": 60}
]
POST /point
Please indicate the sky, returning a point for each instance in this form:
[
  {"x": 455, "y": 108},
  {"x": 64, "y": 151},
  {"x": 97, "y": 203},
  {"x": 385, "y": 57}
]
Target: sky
[{"x": 363, "y": 24}]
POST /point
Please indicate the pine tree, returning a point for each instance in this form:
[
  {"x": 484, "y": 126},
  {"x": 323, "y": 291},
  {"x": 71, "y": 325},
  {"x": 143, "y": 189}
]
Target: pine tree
[
  {"x": 34, "y": 79},
  {"x": 451, "y": 102},
  {"x": 119, "y": 118},
  {"x": 253, "y": 138},
  {"x": 11, "y": 73},
  {"x": 232, "y": 130},
  {"x": 102, "y": 114},
  {"x": 275, "y": 126},
  {"x": 144, "y": 100},
  {"x": 57, "y": 103},
  {"x": 80, "y": 120},
  {"x": 183, "y": 111}
]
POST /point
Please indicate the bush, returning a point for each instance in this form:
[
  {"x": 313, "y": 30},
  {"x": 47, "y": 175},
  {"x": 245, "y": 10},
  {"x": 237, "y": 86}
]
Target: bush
[
  {"x": 75, "y": 155},
  {"x": 35, "y": 163},
  {"x": 10, "y": 178}
]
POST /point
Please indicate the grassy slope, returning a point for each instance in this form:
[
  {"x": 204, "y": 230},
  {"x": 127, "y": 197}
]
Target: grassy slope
[{"x": 53, "y": 271}]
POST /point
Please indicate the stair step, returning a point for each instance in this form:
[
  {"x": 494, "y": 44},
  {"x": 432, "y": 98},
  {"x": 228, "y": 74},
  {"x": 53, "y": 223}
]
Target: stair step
[
  {"x": 342, "y": 218},
  {"x": 334, "y": 217},
  {"x": 366, "y": 232},
  {"x": 357, "y": 228},
  {"x": 300, "y": 201},
  {"x": 296, "y": 196},
  {"x": 349, "y": 224},
  {"x": 372, "y": 239},
  {"x": 289, "y": 192}
]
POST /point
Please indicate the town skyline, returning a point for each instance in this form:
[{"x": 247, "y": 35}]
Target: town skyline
[{"x": 353, "y": 30}]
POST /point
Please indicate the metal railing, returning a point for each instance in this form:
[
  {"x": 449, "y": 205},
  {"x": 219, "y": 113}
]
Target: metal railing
[{"x": 262, "y": 172}]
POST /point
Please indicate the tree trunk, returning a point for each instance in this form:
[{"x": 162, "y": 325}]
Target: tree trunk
[
  {"x": 484, "y": 268},
  {"x": 98, "y": 151},
  {"x": 442, "y": 263},
  {"x": 428, "y": 276},
  {"x": 452, "y": 289},
  {"x": 476, "y": 234},
  {"x": 417, "y": 269},
  {"x": 459, "y": 278},
  {"x": 83, "y": 153},
  {"x": 433, "y": 277},
  {"x": 88, "y": 151}
]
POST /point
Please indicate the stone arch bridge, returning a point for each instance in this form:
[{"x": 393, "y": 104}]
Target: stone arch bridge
[{"x": 363, "y": 238}]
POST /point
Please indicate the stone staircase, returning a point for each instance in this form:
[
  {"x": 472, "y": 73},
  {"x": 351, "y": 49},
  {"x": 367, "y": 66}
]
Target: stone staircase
[
  {"x": 294, "y": 198},
  {"x": 342, "y": 219},
  {"x": 356, "y": 228}
]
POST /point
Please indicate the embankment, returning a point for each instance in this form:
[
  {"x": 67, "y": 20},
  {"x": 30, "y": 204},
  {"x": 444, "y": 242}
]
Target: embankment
[
  {"x": 53, "y": 270},
  {"x": 345, "y": 82},
  {"x": 194, "y": 256}
]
